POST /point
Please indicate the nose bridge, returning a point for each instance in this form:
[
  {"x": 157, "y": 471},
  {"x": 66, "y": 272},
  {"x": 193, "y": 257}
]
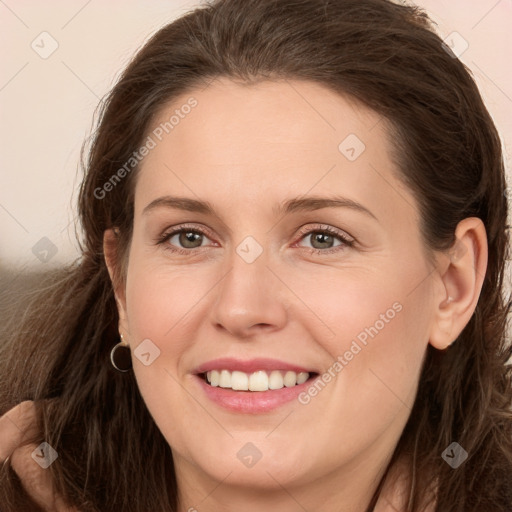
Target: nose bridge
[{"x": 249, "y": 295}]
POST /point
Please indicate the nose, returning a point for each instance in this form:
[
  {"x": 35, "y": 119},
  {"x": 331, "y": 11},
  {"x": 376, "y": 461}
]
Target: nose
[{"x": 251, "y": 299}]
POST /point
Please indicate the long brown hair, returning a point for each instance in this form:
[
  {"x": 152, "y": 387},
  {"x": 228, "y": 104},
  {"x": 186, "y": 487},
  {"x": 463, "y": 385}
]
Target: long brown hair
[{"x": 386, "y": 56}]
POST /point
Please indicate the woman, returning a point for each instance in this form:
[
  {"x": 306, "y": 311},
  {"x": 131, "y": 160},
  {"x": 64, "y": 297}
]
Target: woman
[{"x": 291, "y": 289}]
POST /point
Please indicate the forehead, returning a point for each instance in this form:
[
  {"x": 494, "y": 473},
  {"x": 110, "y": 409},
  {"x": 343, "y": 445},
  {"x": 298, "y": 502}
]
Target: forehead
[{"x": 265, "y": 142}]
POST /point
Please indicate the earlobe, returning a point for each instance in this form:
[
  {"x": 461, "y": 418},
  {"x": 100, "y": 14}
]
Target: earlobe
[
  {"x": 443, "y": 334},
  {"x": 461, "y": 276}
]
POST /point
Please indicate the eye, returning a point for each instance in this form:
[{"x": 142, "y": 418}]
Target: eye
[
  {"x": 323, "y": 237},
  {"x": 187, "y": 237}
]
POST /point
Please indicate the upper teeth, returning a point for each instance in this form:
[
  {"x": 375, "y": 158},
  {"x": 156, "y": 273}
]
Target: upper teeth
[{"x": 256, "y": 381}]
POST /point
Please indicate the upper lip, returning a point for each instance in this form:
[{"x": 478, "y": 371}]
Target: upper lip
[{"x": 249, "y": 366}]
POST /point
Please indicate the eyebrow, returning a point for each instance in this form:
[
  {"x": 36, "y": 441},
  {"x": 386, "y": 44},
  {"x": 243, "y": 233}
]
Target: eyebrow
[{"x": 299, "y": 204}]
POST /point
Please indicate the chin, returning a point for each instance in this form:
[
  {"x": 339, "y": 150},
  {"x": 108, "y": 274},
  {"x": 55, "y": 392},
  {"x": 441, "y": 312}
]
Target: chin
[{"x": 259, "y": 465}]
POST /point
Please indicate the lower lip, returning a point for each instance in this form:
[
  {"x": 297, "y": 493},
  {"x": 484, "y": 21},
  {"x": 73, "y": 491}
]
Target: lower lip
[{"x": 254, "y": 402}]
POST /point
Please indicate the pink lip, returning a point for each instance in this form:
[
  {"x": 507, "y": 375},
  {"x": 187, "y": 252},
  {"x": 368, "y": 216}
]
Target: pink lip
[
  {"x": 253, "y": 365},
  {"x": 255, "y": 402},
  {"x": 251, "y": 402}
]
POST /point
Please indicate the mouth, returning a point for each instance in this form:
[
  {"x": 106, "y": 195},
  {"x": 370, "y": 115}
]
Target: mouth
[
  {"x": 256, "y": 386},
  {"x": 258, "y": 392},
  {"x": 257, "y": 381}
]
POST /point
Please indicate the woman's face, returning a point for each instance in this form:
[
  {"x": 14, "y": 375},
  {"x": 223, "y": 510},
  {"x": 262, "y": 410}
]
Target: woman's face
[{"x": 258, "y": 278}]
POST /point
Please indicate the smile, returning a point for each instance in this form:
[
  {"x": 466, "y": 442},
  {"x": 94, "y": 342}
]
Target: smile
[{"x": 259, "y": 380}]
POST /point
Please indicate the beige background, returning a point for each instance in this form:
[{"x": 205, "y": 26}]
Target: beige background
[{"x": 47, "y": 104}]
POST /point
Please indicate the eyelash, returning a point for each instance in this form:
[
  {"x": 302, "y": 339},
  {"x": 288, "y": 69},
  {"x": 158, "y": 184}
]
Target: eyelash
[{"x": 323, "y": 229}]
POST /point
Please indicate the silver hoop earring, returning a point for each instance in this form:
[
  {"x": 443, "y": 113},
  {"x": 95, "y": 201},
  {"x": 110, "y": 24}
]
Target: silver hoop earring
[{"x": 120, "y": 356}]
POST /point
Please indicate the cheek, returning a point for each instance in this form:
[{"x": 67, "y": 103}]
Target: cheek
[
  {"x": 380, "y": 337},
  {"x": 160, "y": 303},
  {"x": 162, "y": 306}
]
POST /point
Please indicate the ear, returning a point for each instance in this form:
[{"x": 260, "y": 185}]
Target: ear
[
  {"x": 110, "y": 250},
  {"x": 462, "y": 273}
]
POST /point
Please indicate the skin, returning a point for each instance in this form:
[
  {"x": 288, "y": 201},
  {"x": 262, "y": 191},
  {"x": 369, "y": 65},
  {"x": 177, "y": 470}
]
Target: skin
[{"x": 245, "y": 149}]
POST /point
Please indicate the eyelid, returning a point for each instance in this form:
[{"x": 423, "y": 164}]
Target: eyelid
[
  {"x": 346, "y": 239},
  {"x": 328, "y": 229}
]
